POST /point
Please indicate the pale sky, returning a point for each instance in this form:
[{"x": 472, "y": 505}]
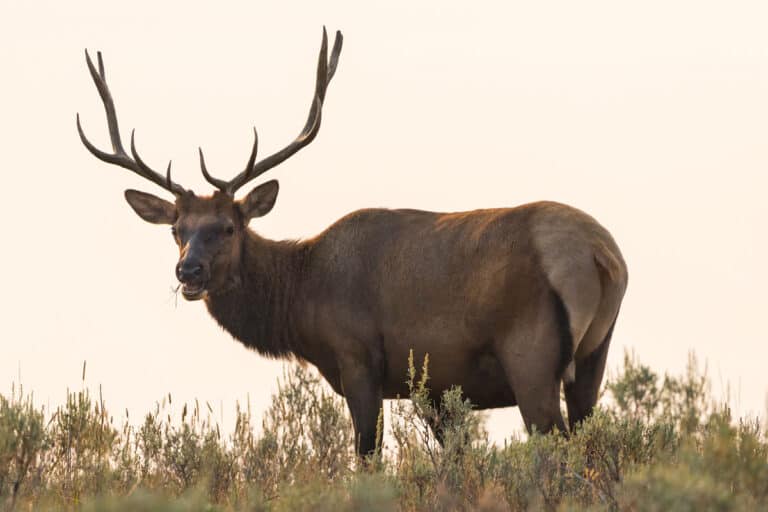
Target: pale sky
[{"x": 651, "y": 116}]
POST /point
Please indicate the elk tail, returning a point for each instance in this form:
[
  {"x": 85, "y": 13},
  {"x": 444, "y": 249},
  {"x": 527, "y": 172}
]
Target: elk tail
[{"x": 608, "y": 262}]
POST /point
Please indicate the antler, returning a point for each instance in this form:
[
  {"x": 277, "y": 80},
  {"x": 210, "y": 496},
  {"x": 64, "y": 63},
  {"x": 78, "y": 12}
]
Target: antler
[
  {"x": 120, "y": 157},
  {"x": 325, "y": 71}
]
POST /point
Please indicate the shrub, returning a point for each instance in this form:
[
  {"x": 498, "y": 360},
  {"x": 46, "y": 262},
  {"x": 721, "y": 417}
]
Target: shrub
[{"x": 654, "y": 444}]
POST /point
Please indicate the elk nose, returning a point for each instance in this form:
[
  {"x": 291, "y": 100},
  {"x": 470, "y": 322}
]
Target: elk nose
[{"x": 187, "y": 272}]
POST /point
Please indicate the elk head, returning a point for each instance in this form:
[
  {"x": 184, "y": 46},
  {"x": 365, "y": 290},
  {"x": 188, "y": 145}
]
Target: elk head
[{"x": 209, "y": 230}]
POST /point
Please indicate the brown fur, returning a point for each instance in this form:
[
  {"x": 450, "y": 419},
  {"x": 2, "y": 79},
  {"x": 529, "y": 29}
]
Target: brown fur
[
  {"x": 469, "y": 289},
  {"x": 507, "y": 302}
]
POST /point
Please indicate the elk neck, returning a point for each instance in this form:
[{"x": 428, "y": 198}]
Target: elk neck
[{"x": 261, "y": 308}]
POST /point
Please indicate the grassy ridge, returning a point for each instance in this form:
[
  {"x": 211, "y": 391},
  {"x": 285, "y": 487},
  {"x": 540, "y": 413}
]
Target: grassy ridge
[{"x": 654, "y": 444}]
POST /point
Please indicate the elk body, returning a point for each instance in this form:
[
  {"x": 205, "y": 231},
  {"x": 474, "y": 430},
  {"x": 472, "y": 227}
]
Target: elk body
[{"x": 508, "y": 303}]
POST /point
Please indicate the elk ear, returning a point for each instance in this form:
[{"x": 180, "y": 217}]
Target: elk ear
[
  {"x": 151, "y": 208},
  {"x": 259, "y": 201}
]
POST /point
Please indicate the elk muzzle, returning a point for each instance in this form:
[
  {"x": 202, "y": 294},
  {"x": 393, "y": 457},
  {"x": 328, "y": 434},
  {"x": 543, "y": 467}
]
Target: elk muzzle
[{"x": 193, "y": 273}]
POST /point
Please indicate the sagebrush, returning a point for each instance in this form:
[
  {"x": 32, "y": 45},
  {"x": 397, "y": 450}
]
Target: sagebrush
[{"x": 653, "y": 444}]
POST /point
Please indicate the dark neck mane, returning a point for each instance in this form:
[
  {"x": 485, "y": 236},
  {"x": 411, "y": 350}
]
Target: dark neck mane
[{"x": 258, "y": 309}]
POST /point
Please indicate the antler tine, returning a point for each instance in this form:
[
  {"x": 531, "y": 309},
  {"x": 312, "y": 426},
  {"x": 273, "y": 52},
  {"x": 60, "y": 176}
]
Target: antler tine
[
  {"x": 325, "y": 71},
  {"x": 145, "y": 171},
  {"x": 224, "y": 185},
  {"x": 220, "y": 184},
  {"x": 254, "y": 150},
  {"x": 168, "y": 182},
  {"x": 335, "y": 52},
  {"x": 120, "y": 157}
]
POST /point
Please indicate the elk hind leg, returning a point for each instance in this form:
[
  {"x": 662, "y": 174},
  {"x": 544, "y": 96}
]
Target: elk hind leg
[
  {"x": 581, "y": 394},
  {"x": 532, "y": 358}
]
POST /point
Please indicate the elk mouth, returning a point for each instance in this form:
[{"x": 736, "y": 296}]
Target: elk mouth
[{"x": 194, "y": 291}]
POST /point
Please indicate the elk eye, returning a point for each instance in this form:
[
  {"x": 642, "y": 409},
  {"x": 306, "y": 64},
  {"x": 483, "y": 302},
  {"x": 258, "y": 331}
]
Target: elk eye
[{"x": 230, "y": 230}]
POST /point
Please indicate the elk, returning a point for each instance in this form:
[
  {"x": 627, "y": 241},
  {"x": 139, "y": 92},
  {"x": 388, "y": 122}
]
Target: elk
[{"x": 509, "y": 303}]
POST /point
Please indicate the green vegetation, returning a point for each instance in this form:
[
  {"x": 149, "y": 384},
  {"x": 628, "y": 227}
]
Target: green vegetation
[{"x": 654, "y": 444}]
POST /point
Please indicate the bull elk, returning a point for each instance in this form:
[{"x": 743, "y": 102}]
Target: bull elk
[{"x": 508, "y": 303}]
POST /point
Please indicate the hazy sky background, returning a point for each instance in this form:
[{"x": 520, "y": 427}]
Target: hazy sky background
[{"x": 651, "y": 116}]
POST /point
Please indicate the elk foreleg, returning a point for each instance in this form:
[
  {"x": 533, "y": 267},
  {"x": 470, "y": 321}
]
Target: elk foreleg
[{"x": 362, "y": 390}]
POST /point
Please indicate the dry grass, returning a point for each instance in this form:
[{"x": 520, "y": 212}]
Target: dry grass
[{"x": 655, "y": 444}]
